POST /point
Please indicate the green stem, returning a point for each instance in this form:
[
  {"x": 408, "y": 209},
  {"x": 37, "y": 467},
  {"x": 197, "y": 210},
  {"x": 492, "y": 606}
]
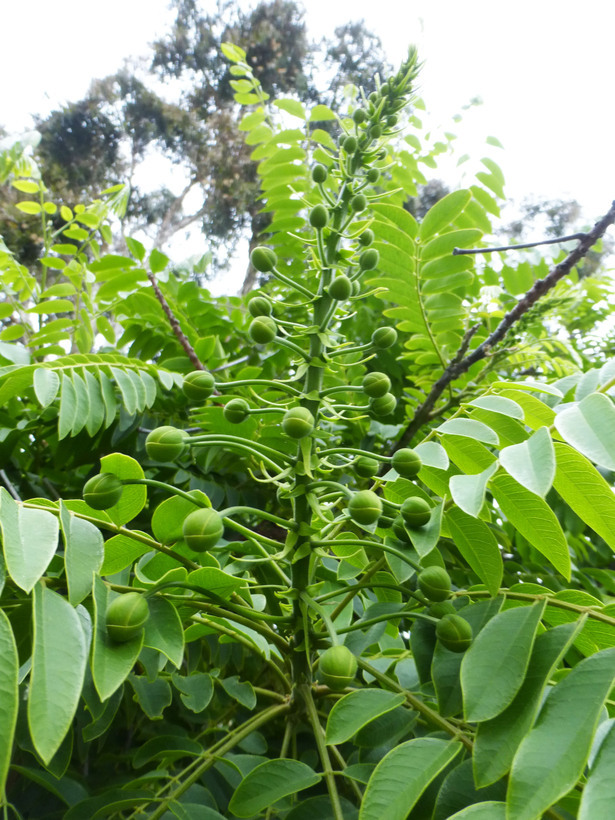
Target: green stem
[
  {"x": 274, "y": 385},
  {"x": 323, "y": 752},
  {"x": 238, "y": 510}
]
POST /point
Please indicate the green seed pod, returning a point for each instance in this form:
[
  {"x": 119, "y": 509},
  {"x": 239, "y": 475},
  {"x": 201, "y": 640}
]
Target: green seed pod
[
  {"x": 454, "y": 633},
  {"x": 198, "y": 385},
  {"x": 373, "y": 175},
  {"x": 263, "y": 259},
  {"x": 367, "y": 237},
  {"x": 375, "y": 131},
  {"x": 366, "y": 467},
  {"x": 383, "y": 405},
  {"x": 102, "y": 491},
  {"x": 260, "y": 306},
  {"x": 374, "y": 97},
  {"x": 350, "y": 145},
  {"x": 236, "y": 410},
  {"x": 202, "y": 529},
  {"x": 415, "y": 511},
  {"x": 298, "y": 422},
  {"x": 406, "y": 462},
  {"x": 365, "y": 507},
  {"x": 441, "y": 609},
  {"x": 165, "y": 443},
  {"x": 319, "y": 174},
  {"x": 384, "y": 337},
  {"x": 376, "y": 384},
  {"x": 358, "y": 203},
  {"x": 369, "y": 259},
  {"x": 392, "y": 121},
  {"x": 319, "y": 217},
  {"x": 359, "y": 116},
  {"x": 340, "y": 288},
  {"x": 126, "y": 616},
  {"x": 356, "y": 287},
  {"x": 337, "y": 667},
  {"x": 435, "y": 583},
  {"x": 399, "y": 528},
  {"x": 263, "y": 330}
]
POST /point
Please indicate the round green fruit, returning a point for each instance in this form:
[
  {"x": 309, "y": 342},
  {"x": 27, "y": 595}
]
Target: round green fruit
[
  {"x": 399, "y": 528},
  {"x": 367, "y": 237},
  {"x": 337, "y": 667},
  {"x": 202, "y": 529},
  {"x": 369, "y": 259},
  {"x": 319, "y": 216},
  {"x": 198, "y": 385},
  {"x": 375, "y": 132},
  {"x": 102, "y": 491},
  {"x": 376, "y": 384},
  {"x": 365, "y": 507},
  {"x": 359, "y": 116},
  {"x": 350, "y": 145},
  {"x": 406, "y": 462},
  {"x": 165, "y": 443},
  {"x": 374, "y": 97},
  {"x": 415, "y": 511},
  {"x": 373, "y": 175},
  {"x": 298, "y": 422},
  {"x": 319, "y": 174},
  {"x": 358, "y": 203},
  {"x": 383, "y": 405},
  {"x": 356, "y": 287},
  {"x": 236, "y": 410},
  {"x": 126, "y": 616},
  {"x": 259, "y": 306},
  {"x": 263, "y": 330},
  {"x": 263, "y": 259},
  {"x": 435, "y": 583},
  {"x": 384, "y": 337},
  {"x": 366, "y": 467},
  {"x": 454, "y": 633},
  {"x": 340, "y": 288}
]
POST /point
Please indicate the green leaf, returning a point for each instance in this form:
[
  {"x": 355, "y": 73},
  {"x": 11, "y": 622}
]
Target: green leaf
[
  {"x": 478, "y": 546},
  {"x": 9, "y": 695},
  {"x": 270, "y": 782},
  {"x": 31, "y": 208},
  {"x": 241, "y": 691},
  {"x": 402, "y": 776},
  {"x": 425, "y": 538},
  {"x": 196, "y": 690},
  {"x": 120, "y": 552},
  {"x": 83, "y": 553},
  {"x": 213, "y": 580},
  {"x": 153, "y": 696},
  {"x": 233, "y": 53},
  {"x": 552, "y": 756},
  {"x": 353, "y": 711},
  {"x": 468, "y": 491},
  {"x": 96, "y": 415},
  {"x": 68, "y": 407},
  {"x": 589, "y": 426},
  {"x": 46, "y": 385},
  {"x": 320, "y": 113},
  {"x": 134, "y": 497},
  {"x": 531, "y": 463},
  {"x": 489, "y": 810},
  {"x": 158, "y": 261},
  {"x": 443, "y": 213},
  {"x": 433, "y": 454},
  {"x": 30, "y": 539},
  {"x": 499, "y": 404},
  {"x": 599, "y": 790},
  {"x": 534, "y": 519},
  {"x": 169, "y": 515},
  {"x": 494, "y": 666},
  {"x": 164, "y": 631},
  {"x": 293, "y": 107},
  {"x": 445, "y": 244},
  {"x": 26, "y": 186},
  {"x": 193, "y": 811},
  {"x": 469, "y": 429},
  {"x": 59, "y": 659}
]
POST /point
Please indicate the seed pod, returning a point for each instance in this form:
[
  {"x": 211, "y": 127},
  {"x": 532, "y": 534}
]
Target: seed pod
[
  {"x": 406, "y": 462},
  {"x": 165, "y": 443},
  {"x": 356, "y": 287},
  {"x": 263, "y": 330},
  {"x": 236, "y": 410},
  {"x": 454, "y": 633},
  {"x": 373, "y": 175},
  {"x": 374, "y": 97},
  {"x": 126, "y": 616},
  {"x": 392, "y": 121},
  {"x": 375, "y": 131},
  {"x": 376, "y": 384},
  {"x": 383, "y": 405},
  {"x": 366, "y": 467},
  {"x": 384, "y": 337},
  {"x": 263, "y": 259},
  {"x": 259, "y": 306},
  {"x": 369, "y": 259},
  {"x": 367, "y": 237},
  {"x": 359, "y": 116},
  {"x": 340, "y": 288},
  {"x": 358, "y": 203},
  {"x": 202, "y": 529},
  {"x": 365, "y": 507},
  {"x": 198, "y": 385},
  {"x": 298, "y": 422},
  {"x": 319, "y": 173},
  {"x": 337, "y": 667},
  {"x": 319, "y": 216},
  {"x": 399, "y": 528},
  {"x": 415, "y": 511},
  {"x": 435, "y": 583},
  {"x": 102, "y": 491},
  {"x": 350, "y": 145}
]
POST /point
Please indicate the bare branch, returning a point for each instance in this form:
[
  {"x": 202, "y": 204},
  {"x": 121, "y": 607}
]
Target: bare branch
[
  {"x": 556, "y": 241},
  {"x": 183, "y": 339}
]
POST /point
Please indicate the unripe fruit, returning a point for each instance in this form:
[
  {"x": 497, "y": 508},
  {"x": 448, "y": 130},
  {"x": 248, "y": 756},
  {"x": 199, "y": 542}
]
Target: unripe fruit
[
  {"x": 373, "y": 175},
  {"x": 356, "y": 287},
  {"x": 406, "y": 462},
  {"x": 359, "y": 116},
  {"x": 319, "y": 174},
  {"x": 259, "y": 306},
  {"x": 441, "y": 609},
  {"x": 376, "y": 384},
  {"x": 367, "y": 237},
  {"x": 399, "y": 528},
  {"x": 366, "y": 467},
  {"x": 435, "y": 583},
  {"x": 298, "y": 422},
  {"x": 365, "y": 507},
  {"x": 198, "y": 385},
  {"x": 102, "y": 491},
  {"x": 384, "y": 337},
  {"x": 383, "y": 405},
  {"x": 392, "y": 121},
  {"x": 454, "y": 633},
  {"x": 263, "y": 330},
  {"x": 375, "y": 132},
  {"x": 337, "y": 667},
  {"x": 236, "y": 410},
  {"x": 358, "y": 203},
  {"x": 415, "y": 511},
  {"x": 350, "y": 145},
  {"x": 374, "y": 97},
  {"x": 202, "y": 529},
  {"x": 126, "y": 616},
  {"x": 165, "y": 443},
  {"x": 263, "y": 259},
  {"x": 369, "y": 259},
  {"x": 340, "y": 288},
  {"x": 319, "y": 216}
]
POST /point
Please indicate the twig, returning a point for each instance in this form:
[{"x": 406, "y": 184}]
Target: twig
[
  {"x": 183, "y": 339},
  {"x": 9, "y": 485},
  {"x": 556, "y": 241},
  {"x": 462, "y": 363}
]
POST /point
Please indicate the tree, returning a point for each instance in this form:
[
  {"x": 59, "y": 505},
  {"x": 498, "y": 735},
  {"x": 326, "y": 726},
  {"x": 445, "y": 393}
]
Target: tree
[{"x": 335, "y": 573}]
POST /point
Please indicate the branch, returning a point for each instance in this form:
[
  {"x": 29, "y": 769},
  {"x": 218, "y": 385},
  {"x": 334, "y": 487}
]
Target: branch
[
  {"x": 183, "y": 339},
  {"x": 556, "y": 241},
  {"x": 462, "y": 363}
]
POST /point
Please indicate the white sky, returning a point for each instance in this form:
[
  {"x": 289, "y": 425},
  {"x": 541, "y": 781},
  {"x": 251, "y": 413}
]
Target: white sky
[{"x": 545, "y": 70}]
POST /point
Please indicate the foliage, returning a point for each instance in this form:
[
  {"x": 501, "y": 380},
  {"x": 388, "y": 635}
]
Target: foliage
[{"x": 270, "y": 607}]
